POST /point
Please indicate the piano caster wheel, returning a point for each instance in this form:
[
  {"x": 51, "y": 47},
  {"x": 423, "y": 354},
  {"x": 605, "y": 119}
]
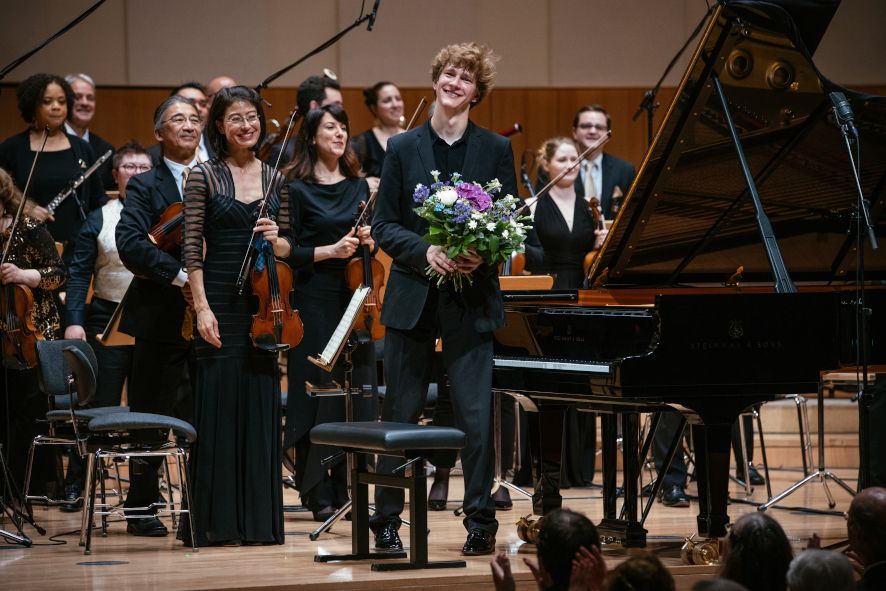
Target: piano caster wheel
[
  {"x": 701, "y": 552},
  {"x": 528, "y": 529}
]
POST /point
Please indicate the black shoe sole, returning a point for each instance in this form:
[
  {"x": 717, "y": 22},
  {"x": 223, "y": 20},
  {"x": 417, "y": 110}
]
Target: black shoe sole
[
  {"x": 436, "y": 505},
  {"x": 153, "y": 533}
]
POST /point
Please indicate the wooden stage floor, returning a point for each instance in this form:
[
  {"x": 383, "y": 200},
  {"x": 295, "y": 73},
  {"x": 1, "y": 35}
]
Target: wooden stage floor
[{"x": 123, "y": 562}]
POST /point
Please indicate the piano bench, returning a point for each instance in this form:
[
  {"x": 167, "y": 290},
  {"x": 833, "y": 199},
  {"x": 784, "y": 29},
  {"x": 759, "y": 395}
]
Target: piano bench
[{"x": 389, "y": 439}]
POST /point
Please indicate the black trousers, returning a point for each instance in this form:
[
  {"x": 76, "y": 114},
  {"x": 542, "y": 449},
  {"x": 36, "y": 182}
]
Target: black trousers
[
  {"x": 667, "y": 427},
  {"x": 467, "y": 356},
  {"x": 159, "y": 374}
]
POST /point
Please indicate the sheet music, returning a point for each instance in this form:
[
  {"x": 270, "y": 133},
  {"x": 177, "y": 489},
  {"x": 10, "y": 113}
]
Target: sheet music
[{"x": 338, "y": 338}]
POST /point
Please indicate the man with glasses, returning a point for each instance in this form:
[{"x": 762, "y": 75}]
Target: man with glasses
[
  {"x": 197, "y": 94},
  {"x": 155, "y": 306},
  {"x": 96, "y": 259},
  {"x": 81, "y": 116}
]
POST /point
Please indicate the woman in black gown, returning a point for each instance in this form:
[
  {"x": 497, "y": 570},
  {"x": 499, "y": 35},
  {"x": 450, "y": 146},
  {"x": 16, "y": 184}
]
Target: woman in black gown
[
  {"x": 237, "y": 491},
  {"x": 45, "y": 102},
  {"x": 564, "y": 225},
  {"x": 384, "y": 102},
  {"x": 325, "y": 193}
]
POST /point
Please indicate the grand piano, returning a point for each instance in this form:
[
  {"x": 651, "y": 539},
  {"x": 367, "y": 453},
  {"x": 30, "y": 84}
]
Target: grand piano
[{"x": 699, "y": 300}]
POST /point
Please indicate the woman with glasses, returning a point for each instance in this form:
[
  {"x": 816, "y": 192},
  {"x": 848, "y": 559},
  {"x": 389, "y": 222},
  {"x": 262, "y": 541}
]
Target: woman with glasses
[
  {"x": 45, "y": 102},
  {"x": 96, "y": 260},
  {"x": 237, "y": 490},
  {"x": 326, "y": 193},
  {"x": 386, "y": 105}
]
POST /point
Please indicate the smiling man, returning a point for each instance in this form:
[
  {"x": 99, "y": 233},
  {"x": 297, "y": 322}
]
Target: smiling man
[
  {"x": 417, "y": 310},
  {"x": 155, "y": 306},
  {"x": 81, "y": 116}
]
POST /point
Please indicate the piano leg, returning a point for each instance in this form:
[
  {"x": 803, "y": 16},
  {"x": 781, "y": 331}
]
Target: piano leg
[
  {"x": 546, "y": 431},
  {"x": 712, "y": 447},
  {"x": 628, "y": 532},
  {"x": 609, "y": 429}
]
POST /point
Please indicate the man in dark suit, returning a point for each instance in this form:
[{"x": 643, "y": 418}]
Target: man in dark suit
[
  {"x": 82, "y": 113},
  {"x": 417, "y": 310},
  {"x": 866, "y": 524},
  {"x": 196, "y": 93},
  {"x": 314, "y": 92},
  {"x": 155, "y": 304}
]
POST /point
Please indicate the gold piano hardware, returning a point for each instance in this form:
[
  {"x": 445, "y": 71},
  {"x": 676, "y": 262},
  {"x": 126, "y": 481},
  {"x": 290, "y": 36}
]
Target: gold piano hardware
[
  {"x": 701, "y": 552},
  {"x": 528, "y": 528},
  {"x": 735, "y": 279}
]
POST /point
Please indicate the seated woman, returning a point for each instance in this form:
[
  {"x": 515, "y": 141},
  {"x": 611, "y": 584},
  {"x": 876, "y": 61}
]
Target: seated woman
[
  {"x": 384, "y": 102},
  {"x": 758, "y": 553}
]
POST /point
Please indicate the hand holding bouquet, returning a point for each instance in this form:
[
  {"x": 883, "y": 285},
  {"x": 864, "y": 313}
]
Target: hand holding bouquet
[{"x": 464, "y": 220}]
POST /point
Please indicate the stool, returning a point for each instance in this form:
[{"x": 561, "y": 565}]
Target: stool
[{"x": 390, "y": 439}]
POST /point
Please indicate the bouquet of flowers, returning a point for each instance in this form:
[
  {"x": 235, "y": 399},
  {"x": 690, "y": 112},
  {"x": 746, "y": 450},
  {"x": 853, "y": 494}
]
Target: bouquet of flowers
[{"x": 463, "y": 217}]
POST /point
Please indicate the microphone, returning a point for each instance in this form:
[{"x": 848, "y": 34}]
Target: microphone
[
  {"x": 514, "y": 129},
  {"x": 843, "y": 111},
  {"x": 372, "y": 15}
]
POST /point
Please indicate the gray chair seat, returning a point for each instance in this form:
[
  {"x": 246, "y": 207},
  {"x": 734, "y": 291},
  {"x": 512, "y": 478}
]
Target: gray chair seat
[
  {"x": 387, "y": 437},
  {"x": 131, "y": 421},
  {"x": 84, "y": 414}
]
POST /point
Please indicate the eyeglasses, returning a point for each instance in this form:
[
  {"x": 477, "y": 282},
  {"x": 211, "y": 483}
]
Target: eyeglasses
[
  {"x": 180, "y": 120},
  {"x": 237, "y": 120},
  {"x": 130, "y": 167},
  {"x": 597, "y": 126}
]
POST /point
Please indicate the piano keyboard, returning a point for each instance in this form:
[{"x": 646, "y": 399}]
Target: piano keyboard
[{"x": 551, "y": 364}]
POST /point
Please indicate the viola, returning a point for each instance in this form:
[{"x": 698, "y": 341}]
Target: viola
[
  {"x": 367, "y": 271},
  {"x": 167, "y": 232},
  {"x": 19, "y": 334},
  {"x": 275, "y": 326}
]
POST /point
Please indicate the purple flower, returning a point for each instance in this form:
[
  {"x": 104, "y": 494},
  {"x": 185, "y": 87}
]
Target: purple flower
[
  {"x": 462, "y": 212},
  {"x": 475, "y": 194},
  {"x": 420, "y": 194}
]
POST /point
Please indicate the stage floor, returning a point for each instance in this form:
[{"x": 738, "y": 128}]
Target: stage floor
[{"x": 120, "y": 561}]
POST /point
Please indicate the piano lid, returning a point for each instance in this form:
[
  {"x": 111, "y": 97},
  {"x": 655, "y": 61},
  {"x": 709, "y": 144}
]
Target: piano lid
[{"x": 688, "y": 217}]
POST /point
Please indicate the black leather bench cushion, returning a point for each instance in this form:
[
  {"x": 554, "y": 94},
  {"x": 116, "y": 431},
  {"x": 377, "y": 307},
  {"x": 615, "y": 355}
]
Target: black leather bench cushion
[
  {"x": 84, "y": 414},
  {"x": 131, "y": 421},
  {"x": 387, "y": 436}
]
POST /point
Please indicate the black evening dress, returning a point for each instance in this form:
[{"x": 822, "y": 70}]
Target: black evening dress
[
  {"x": 564, "y": 253},
  {"x": 321, "y": 215},
  {"x": 237, "y": 489},
  {"x": 370, "y": 153}
]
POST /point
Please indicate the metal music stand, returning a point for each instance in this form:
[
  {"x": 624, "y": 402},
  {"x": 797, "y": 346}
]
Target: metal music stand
[
  {"x": 15, "y": 517},
  {"x": 342, "y": 341}
]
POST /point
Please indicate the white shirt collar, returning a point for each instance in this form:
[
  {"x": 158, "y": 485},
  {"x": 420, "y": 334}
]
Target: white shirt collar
[
  {"x": 176, "y": 169},
  {"x": 72, "y": 131}
]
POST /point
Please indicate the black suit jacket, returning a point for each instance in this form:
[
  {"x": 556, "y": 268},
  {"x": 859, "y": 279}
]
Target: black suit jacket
[
  {"x": 874, "y": 578},
  {"x": 99, "y": 147},
  {"x": 399, "y": 231},
  {"x": 154, "y": 307},
  {"x": 616, "y": 173}
]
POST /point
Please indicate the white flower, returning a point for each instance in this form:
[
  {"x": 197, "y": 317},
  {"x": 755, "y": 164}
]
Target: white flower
[
  {"x": 493, "y": 185},
  {"x": 512, "y": 223},
  {"x": 504, "y": 234},
  {"x": 436, "y": 175},
  {"x": 472, "y": 225},
  {"x": 447, "y": 197},
  {"x": 476, "y": 215},
  {"x": 490, "y": 226}
]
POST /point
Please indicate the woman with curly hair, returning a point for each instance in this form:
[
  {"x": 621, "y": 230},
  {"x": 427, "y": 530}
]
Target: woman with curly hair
[{"x": 758, "y": 553}]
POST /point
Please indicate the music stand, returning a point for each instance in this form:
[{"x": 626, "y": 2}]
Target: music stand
[
  {"x": 341, "y": 341},
  {"x": 17, "y": 518}
]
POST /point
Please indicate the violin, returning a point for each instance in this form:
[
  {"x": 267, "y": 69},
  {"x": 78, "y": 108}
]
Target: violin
[
  {"x": 597, "y": 214},
  {"x": 166, "y": 234},
  {"x": 369, "y": 272},
  {"x": 20, "y": 336},
  {"x": 276, "y": 326}
]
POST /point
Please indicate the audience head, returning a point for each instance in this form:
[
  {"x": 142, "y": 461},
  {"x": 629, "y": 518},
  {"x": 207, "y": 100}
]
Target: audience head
[
  {"x": 555, "y": 155},
  {"x": 318, "y": 91},
  {"x": 643, "y": 572},
  {"x": 217, "y": 84},
  {"x": 718, "y": 584},
  {"x": 10, "y": 196},
  {"x": 590, "y": 123},
  {"x": 129, "y": 160},
  {"x": 563, "y": 533},
  {"x": 177, "y": 127},
  {"x": 195, "y": 92},
  {"x": 323, "y": 134},
  {"x": 384, "y": 102},
  {"x": 237, "y": 118},
  {"x": 45, "y": 99},
  {"x": 84, "y": 100},
  {"x": 867, "y": 522},
  {"x": 757, "y": 553},
  {"x": 477, "y": 62},
  {"x": 820, "y": 570}
]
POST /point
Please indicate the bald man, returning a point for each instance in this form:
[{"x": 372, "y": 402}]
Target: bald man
[
  {"x": 867, "y": 536},
  {"x": 217, "y": 84}
]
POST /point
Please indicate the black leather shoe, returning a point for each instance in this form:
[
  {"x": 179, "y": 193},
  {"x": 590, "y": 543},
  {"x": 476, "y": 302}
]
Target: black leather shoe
[
  {"x": 675, "y": 496},
  {"x": 321, "y": 515},
  {"x": 646, "y": 491},
  {"x": 73, "y": 501},
  {"x": 386, "y": 537},
  {"x": 756, "y": 478},
  {"x": 150, "y": 527},
  {"x": 479, "y": 542},
  {"x": 439, "y": 492},
  {"x": 502, "y": 499}
]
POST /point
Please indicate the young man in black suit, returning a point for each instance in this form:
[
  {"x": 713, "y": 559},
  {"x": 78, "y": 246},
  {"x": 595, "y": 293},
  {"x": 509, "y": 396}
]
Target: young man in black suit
[
  {"x": 155, "y": 306},
  {"x": 417, "y": 311}
]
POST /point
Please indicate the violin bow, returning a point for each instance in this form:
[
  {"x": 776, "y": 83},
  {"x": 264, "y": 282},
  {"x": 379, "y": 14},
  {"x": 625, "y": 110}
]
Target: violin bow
[{"x": 21, "y": 206}]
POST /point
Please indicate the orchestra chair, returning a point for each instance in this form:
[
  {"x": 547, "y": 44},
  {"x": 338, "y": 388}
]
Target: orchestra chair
[
  {"x": 64, "y": 416},
  {"x": 113, "y": 435},
  {"x": 402, "y": 440}
]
